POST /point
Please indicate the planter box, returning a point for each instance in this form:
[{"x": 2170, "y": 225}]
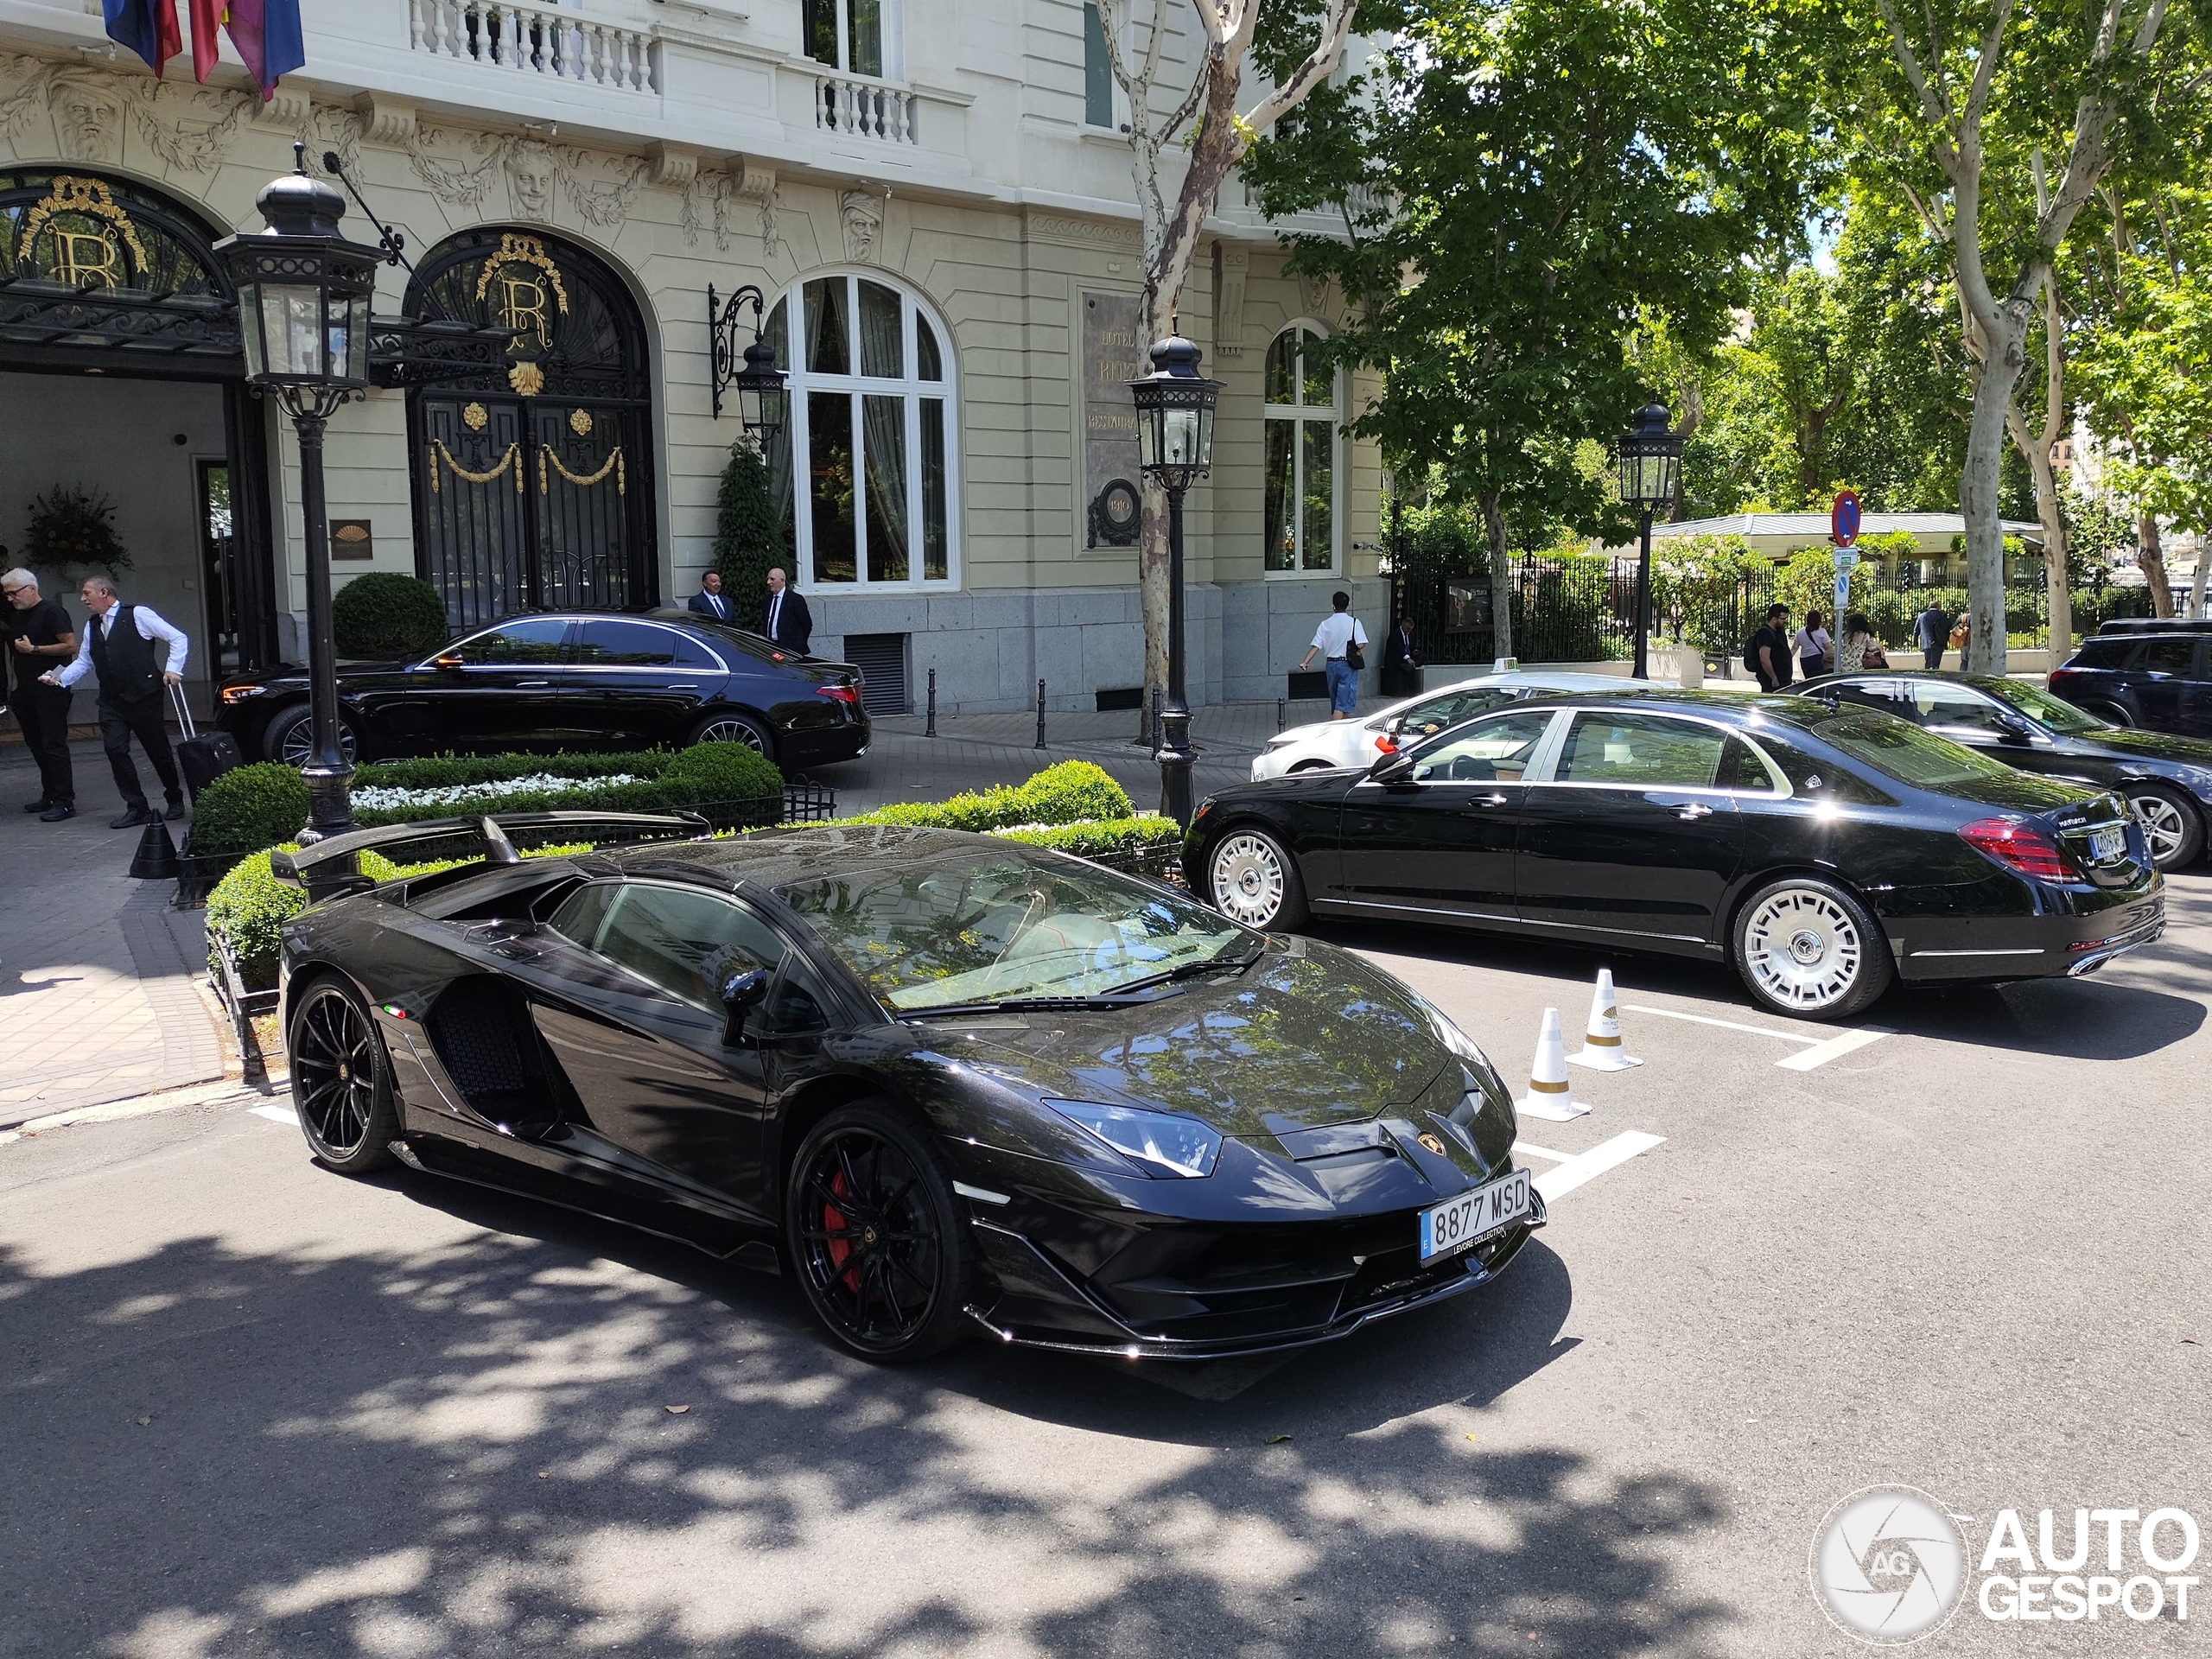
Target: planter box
[{"x": 1162, "y": 862}]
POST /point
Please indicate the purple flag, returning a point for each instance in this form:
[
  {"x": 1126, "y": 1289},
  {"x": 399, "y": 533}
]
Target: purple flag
[
  {"x": 268, "y": 37},
  {"x": 148, "y": 27}
]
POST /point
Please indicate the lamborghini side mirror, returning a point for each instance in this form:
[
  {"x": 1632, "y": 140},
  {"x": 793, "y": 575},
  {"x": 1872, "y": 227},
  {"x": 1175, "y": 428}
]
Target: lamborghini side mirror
[{"x": 741, "y": 994}]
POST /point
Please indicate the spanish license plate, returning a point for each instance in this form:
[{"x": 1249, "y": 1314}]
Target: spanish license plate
[
  {"x": 1472, "y": 1217},
  {"x": 2106, "y": 845}
]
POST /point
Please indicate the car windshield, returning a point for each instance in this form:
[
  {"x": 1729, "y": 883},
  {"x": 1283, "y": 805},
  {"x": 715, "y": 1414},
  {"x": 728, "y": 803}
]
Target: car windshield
[
  {"x": 973, "y": 931},
  {"x": 1898, "y": 749},
  {"x": 2055, "y": 713}
]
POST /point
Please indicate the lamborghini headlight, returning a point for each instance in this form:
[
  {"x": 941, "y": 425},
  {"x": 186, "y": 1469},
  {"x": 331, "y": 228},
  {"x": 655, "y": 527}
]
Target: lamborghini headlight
[{"x": 1161, "y": 1144}]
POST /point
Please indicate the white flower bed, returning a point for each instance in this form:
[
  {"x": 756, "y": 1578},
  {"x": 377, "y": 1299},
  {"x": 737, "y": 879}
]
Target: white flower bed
[{"x": 385, "y": 800}]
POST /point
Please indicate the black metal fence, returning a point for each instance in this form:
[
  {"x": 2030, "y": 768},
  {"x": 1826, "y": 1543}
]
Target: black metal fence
[{"x": 1564, "y": 610}]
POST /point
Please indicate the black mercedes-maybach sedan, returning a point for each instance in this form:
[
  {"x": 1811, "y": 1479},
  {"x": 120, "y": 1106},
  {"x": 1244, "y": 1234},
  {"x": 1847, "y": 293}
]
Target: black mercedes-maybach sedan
[
  {"x": 951, "y": 1083},
  {"x": 576, "y": 680},
  {"x": 2165, "y": 780},
  {"x": 1825, "y": 850}
]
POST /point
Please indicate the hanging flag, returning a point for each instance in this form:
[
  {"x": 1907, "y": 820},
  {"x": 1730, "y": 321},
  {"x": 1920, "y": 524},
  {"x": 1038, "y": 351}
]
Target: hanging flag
[
  {"x": 206, "y": 44},
  {"x": 147, "y": 27},
  {"x": 267, "y": 35}
]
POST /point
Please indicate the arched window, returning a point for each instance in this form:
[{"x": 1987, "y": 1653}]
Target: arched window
[
  {"x": 1302, "y": 455},
  {"x": 872, "y": 421}
]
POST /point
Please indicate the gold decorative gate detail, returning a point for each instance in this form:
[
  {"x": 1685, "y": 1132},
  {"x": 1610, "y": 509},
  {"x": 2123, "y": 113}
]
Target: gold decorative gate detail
[
  {"x": 614, "y": 464},
  {"x": 513, "y": 457}
]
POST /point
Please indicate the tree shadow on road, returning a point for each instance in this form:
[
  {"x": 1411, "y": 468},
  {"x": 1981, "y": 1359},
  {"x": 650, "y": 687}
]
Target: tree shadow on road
[{"x": 466, "y": 1449}]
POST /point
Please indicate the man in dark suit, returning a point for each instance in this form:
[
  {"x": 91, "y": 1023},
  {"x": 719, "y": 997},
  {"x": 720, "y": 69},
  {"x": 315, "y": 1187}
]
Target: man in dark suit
[
  {"x": 708, "y": 601},
  {"x": 1931, "y": 632},
  {"x": 785, "y": 619}
]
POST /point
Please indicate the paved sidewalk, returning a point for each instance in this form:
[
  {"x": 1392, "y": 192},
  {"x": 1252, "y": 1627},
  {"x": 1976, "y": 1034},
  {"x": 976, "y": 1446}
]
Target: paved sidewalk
[{"x": 96, "y": 994}]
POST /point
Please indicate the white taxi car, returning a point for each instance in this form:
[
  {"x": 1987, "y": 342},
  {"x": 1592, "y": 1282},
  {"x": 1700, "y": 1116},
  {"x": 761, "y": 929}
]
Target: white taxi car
[{"x": 1327, "y": 743}]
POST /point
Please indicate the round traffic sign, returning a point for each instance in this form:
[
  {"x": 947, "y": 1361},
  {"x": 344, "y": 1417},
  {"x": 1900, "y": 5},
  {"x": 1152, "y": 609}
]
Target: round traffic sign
[{"x": 1843, "y": 519}]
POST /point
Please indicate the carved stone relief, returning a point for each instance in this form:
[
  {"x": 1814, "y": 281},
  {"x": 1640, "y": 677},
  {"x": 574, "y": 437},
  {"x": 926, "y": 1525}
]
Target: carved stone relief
[
  {"x": 91, "y": 111},
  {"x": 1229, "y": 269},
  {"x": 861, "y": 213},
  {"x": 460, "y": 169}
]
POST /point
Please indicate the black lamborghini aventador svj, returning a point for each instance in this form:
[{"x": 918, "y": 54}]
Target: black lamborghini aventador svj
[{"x": 953, "y": 1084}]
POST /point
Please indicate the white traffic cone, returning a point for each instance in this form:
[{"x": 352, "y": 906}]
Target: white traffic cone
[
  {"x": 1549, "y": 1097},
  {"x": 1601, "y": 1044}
]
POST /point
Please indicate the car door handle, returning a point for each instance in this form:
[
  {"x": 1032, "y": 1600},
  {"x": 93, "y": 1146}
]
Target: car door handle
[
  {"x": 1491, "y": 800},
  {"x": 1694, "y": 811},
  {"x": 683, "y": 685},
  {"x": 530, "y": 685}
]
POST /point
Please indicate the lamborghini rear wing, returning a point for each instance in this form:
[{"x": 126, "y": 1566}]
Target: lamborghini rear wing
[{"x": 327, "y": 867}]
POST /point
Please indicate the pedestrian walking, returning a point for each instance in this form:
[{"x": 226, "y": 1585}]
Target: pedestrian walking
[
  {"x": 1961, "y": 636},
  {"x": 1929, "y": 630},
  {"x": 784, "y": 617},
  {"x": 1811, "y": 645},
  {"x": 37, "y": 630},
  {"x": 118, "y": 643},
  {"x": 710, "y": 601},
  {"x": 1766, "y": 653},
  {"x": 1400, "y": 663},
  {"x": 1343, "y": 645}
]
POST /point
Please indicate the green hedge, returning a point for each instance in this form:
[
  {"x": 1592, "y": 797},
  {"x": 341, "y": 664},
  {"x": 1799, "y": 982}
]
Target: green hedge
[
  {"x": 262, "y": 805},
  {"x": 1069, "y": 792},
  {"x": 1089, "y": 837},
  {"x": 383, "y": 613}
]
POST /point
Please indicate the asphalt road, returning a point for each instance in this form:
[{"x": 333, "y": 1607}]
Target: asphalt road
[{"x": 248, "y": 1407}]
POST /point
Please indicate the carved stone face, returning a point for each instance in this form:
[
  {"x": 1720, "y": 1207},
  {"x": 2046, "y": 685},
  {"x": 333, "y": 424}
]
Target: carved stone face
[
  {"x": 87, "y": 115},
  {"x": 531, "y": 173},
  {"x": 861, "y": 212}
]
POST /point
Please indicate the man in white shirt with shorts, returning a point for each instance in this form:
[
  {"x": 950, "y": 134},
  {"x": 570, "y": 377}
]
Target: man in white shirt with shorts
[{"x": 1337, "y": 637}]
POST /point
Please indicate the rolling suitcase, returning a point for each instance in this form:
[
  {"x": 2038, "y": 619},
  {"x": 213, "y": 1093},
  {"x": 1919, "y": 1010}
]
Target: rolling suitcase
[{"x": 201, "y": 760}]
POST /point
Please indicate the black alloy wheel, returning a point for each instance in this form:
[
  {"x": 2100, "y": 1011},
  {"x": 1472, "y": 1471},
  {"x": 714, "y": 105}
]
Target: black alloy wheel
[
  {"x": 878, "y": 1235},
  {"x": 2172, "y": 824},
  {"x": 341, "y": 1081},
  {"x": 2111, "y": 713},
  {"x": 728, "y": 726},
  {"x": 291, "y": 737}
]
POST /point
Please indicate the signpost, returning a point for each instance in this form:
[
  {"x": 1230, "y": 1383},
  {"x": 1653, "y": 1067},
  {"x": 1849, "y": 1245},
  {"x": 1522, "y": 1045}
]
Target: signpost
[{"x": 1843, "y": 530}]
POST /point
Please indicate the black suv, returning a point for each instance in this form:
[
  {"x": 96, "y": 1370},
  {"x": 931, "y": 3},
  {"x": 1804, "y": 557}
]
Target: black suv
[{"x": 2148, "y": 674}]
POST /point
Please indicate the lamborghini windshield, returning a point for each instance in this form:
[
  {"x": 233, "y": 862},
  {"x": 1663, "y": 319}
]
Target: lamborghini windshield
[{"x": 1000, "y": 928}]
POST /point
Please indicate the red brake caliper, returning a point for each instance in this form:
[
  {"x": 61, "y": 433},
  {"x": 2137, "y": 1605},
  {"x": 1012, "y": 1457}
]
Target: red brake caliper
[{"x": 833, "y": 1221}]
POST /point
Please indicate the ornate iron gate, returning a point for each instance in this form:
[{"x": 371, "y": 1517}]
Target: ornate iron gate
[{"x": 534, "y": 483}]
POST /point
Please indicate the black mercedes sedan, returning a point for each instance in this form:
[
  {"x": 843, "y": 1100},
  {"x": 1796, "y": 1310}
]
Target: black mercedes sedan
[
  {"x": 577, "y": 680},
  {"x": 2165, "y": 780},
  {"x": 950, "y": 1084},
  {"x": 1824, "y": 850}
]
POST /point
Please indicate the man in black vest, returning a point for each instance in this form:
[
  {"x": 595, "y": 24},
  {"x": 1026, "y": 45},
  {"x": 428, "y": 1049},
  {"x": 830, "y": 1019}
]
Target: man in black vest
[
  {"x": 119, "y": 645},
  {"x": 784, "y": 619}
]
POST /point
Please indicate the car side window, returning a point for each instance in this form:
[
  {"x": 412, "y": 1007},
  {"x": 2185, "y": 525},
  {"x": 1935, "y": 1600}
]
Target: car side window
[
  {"x": 1870, "y": 694},
  {"x": 1933, "y": 704},
  {"x": 689, "y": 653},
  {"x": 1641, "y": 752},
  {"x": 613, "y": 644},
  {"x": 580, "y": 914},
  {"x": 686, "y": 942},
  {"x": 531, "y": 642},
  {"x": 2171, "y": 656},
  {"x": 1498, "y": 750},
  {"x": 1744, "y": 769}
]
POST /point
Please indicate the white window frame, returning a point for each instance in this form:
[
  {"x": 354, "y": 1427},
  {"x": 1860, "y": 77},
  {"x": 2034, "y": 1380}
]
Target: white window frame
[
  {"x": 894, "y": 43},
  {"x": 1298, "y": 415},
  {"x": 1120, "y": 126},
  {"x": 799, "y": 381}
]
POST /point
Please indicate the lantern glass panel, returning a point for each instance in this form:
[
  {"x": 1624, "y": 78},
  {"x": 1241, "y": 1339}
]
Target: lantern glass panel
[
  {"x": 291, "y": 330},
  {"x": 1179, "y": 437},
  {"x": 355, "y": 354}
]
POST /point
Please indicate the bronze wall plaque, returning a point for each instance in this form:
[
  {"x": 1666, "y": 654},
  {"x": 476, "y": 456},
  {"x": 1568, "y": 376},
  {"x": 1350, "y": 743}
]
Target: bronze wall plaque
[{"x": 350, "y": 539}]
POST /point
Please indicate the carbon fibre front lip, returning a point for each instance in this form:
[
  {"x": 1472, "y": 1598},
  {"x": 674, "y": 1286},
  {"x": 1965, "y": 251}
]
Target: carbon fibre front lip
[{"x": 1135, "y": 1346}]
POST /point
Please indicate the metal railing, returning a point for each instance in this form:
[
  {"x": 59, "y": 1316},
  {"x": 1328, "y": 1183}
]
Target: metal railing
[{"x": 551, "y": 42}]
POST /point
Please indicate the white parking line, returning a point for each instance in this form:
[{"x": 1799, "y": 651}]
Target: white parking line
[
  {"x": 1822, "y": 1053},
  {"x": 283, "y": 1115},
  {"x": 1725, "y": 1025},
  {"x": 1542, "y": 1152},
  {"x": 1818, "y": 1050},
  {"x": 1555, "y": 1184}
]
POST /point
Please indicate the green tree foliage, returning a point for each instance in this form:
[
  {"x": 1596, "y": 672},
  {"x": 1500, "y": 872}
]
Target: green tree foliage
[
  {"x": 748, "y": 531},
  {"x": 1524, "y": 186}
]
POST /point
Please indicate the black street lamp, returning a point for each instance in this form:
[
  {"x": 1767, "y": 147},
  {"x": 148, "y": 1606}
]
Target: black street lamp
[
  {"x": 762, "y": 401},
  {"x": 303, "y": 294},
  {"x": 1651, "y": 456},
  {"x": 1175, "y": 446}
]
